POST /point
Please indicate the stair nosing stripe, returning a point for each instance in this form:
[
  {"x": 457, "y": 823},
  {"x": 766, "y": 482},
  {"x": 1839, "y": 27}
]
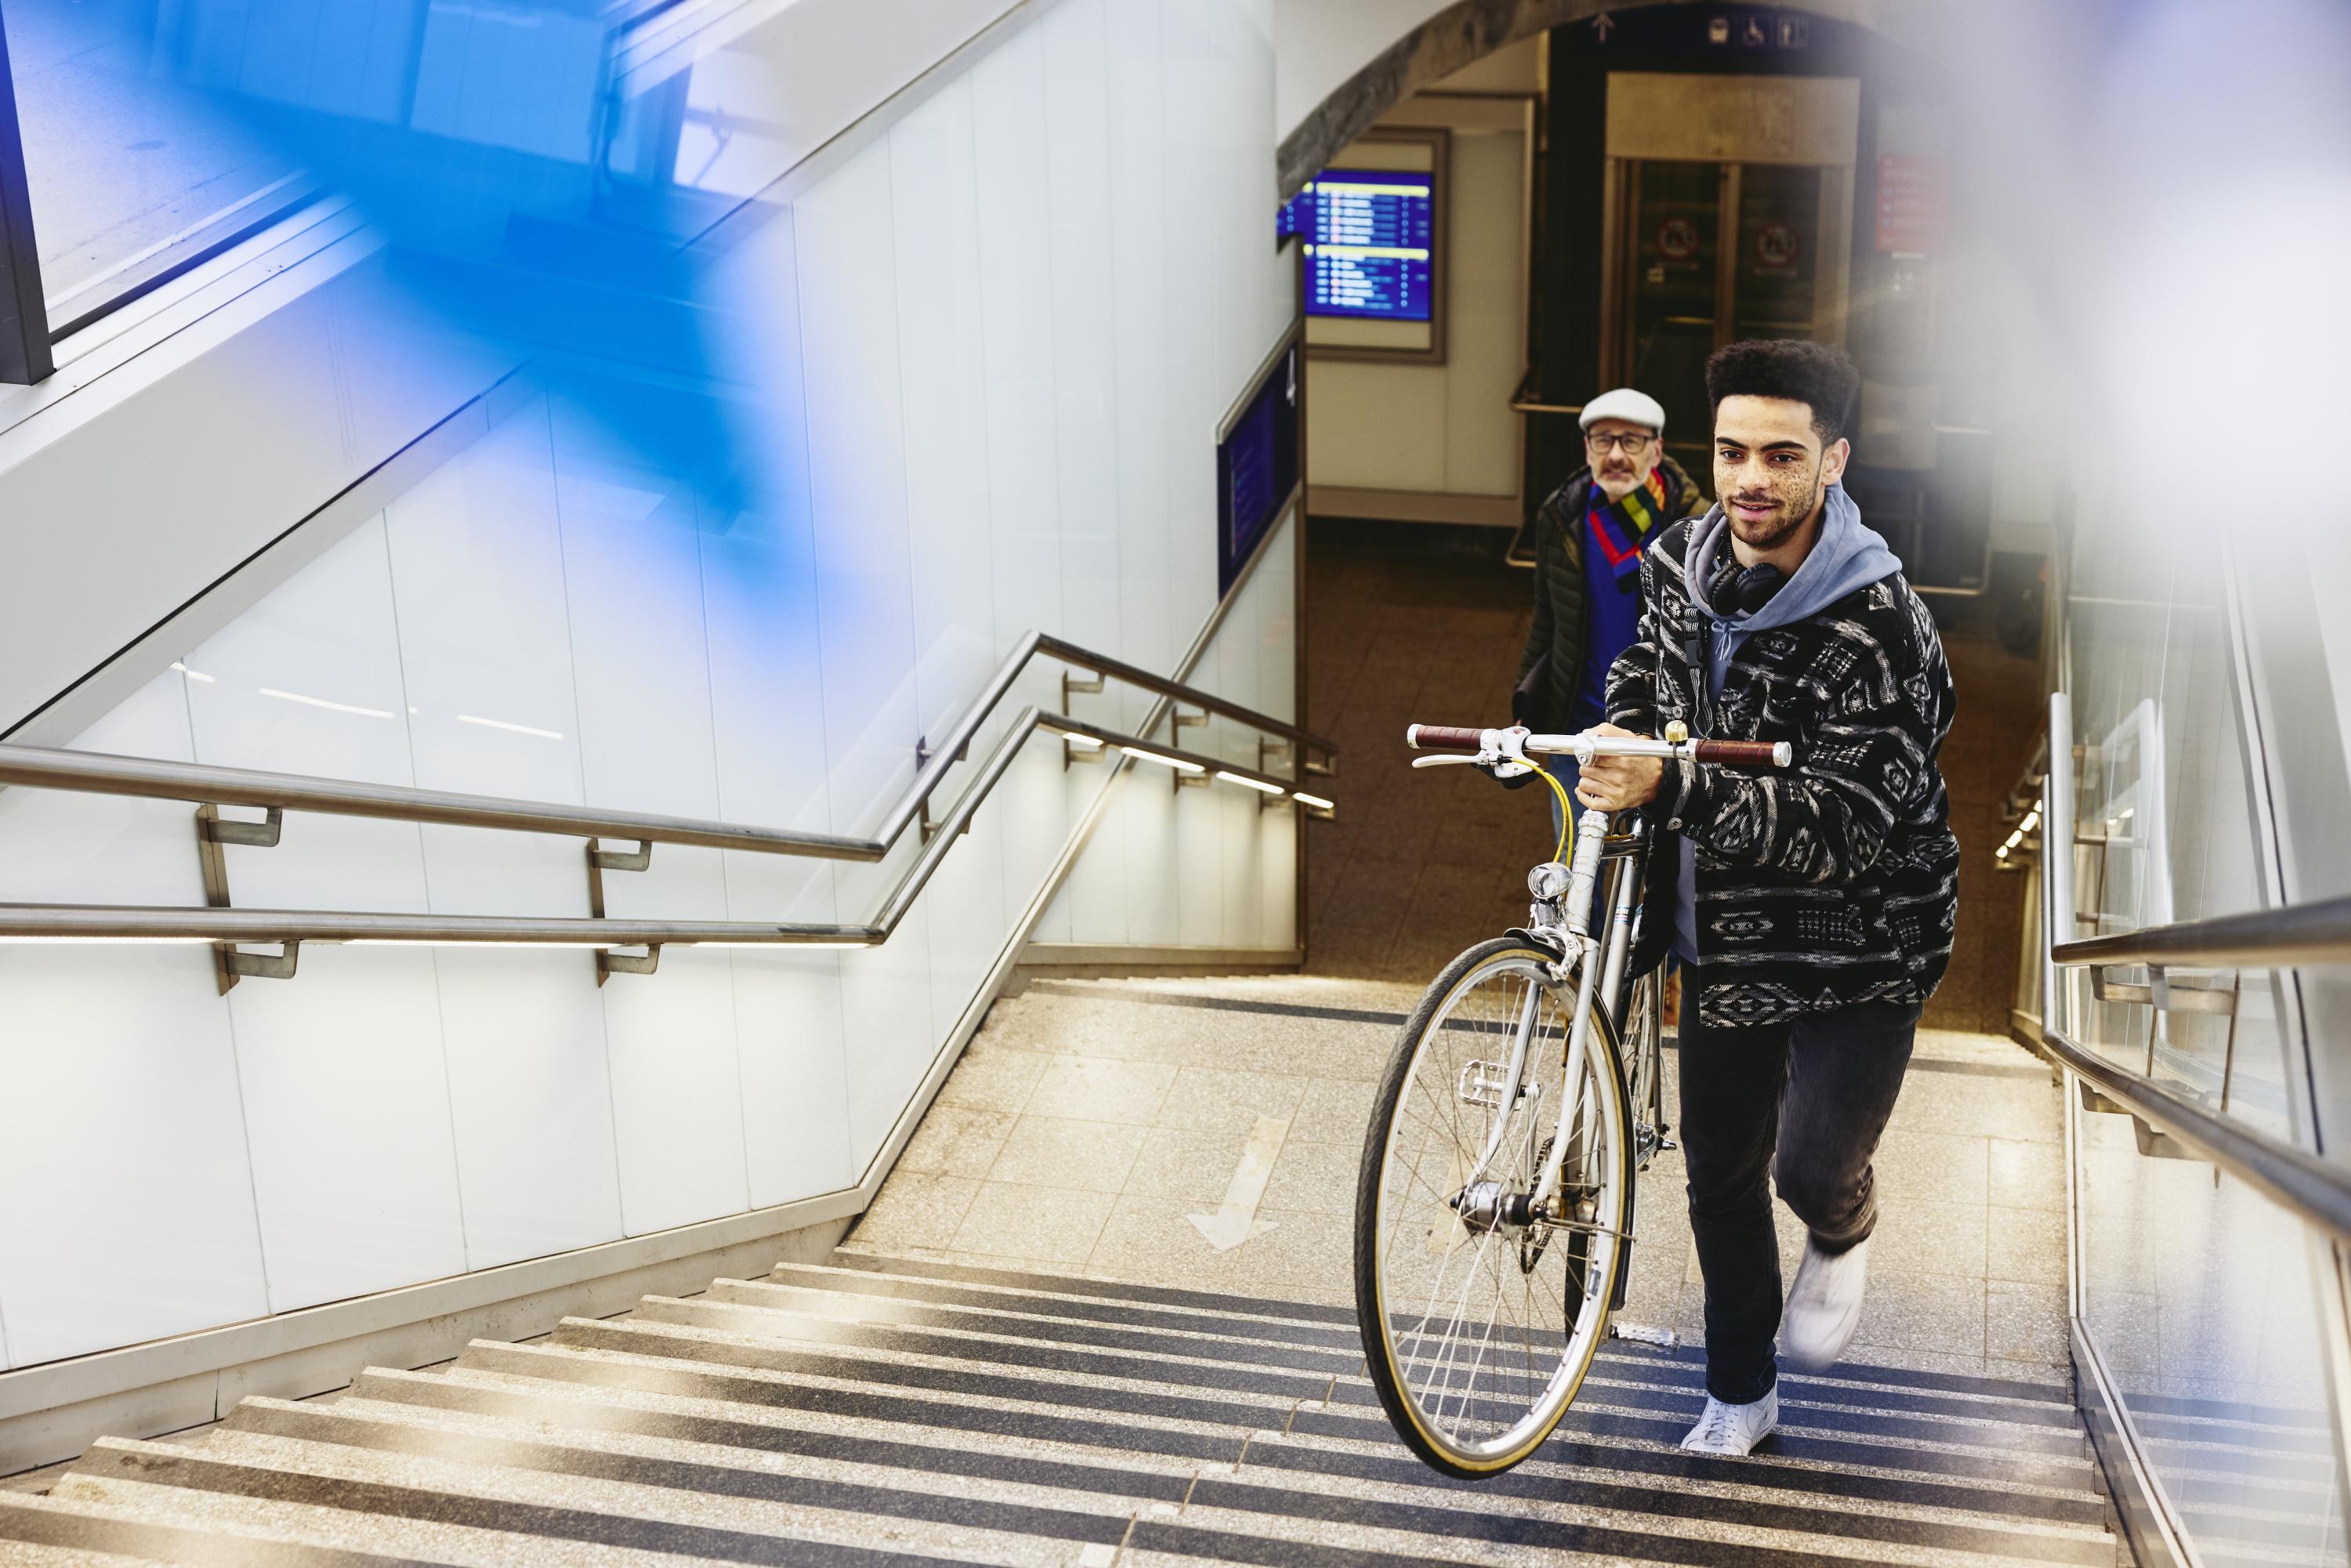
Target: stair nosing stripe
[
  {"x": 2023, "y": 1392},
  {"x": 1606, "y": 1449},
  {"x": 1059, "y": 1473},
  {"x": 183, "y": 1467},
  {"x": 168, "y": 1541},
  {"x": 1083, "y": 1359},
  {"x": 1618, "y": 1368},
  {"x": 997, "y": 1385}
]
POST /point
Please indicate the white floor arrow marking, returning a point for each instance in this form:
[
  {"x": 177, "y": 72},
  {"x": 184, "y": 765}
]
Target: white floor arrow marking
[{"x": 1236, "y": 1220}]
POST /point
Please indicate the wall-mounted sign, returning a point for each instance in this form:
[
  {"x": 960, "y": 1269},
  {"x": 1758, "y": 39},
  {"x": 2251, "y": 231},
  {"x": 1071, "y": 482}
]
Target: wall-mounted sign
[
  {"x": 1677, "y": 239},
  {"x": 1776, "y": 246},
  {"x": 1371, "y": 242},
  {"x": 1257, "y": 461},
  {"x": 1909, "y": 205}
]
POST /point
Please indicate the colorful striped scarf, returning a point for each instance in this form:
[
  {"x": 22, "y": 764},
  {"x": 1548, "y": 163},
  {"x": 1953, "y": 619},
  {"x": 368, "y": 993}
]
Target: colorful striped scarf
[{"x": 1619, "y": 526}]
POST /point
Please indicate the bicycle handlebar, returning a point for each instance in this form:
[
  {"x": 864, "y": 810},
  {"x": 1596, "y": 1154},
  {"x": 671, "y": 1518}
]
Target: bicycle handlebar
[{"x": 1726, "y": 753}]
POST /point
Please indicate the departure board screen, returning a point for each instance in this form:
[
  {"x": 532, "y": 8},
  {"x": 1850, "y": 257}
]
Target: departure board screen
[
  {"x": 1257, "y": 465},
  {"x": 1370, "y": 235}
]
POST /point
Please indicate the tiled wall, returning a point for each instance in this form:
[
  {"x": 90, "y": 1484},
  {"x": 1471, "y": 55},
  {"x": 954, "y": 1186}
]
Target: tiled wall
[{"x": 1019, "y": 316}]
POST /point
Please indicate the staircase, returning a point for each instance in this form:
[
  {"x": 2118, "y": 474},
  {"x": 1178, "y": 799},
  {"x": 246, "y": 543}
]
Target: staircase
[{"x": 884, "y": 1409}]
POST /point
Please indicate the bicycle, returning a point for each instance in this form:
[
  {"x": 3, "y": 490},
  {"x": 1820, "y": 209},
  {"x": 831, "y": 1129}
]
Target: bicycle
[{"x": 1489, "y": 1250}]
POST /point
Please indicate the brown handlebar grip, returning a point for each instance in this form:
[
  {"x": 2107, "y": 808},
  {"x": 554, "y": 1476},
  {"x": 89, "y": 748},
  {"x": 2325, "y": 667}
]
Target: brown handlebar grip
[
  {"x": 1739, "y": 753},
  {"x": 1443, "y": 737}
]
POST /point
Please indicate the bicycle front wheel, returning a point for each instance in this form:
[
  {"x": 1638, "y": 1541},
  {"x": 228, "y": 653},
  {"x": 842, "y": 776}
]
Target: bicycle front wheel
[{"x": 1480, "y": 1313}]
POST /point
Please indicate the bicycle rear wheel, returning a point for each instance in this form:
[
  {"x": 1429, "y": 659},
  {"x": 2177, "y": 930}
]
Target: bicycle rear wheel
[{"x": 1480, "y": 1316}]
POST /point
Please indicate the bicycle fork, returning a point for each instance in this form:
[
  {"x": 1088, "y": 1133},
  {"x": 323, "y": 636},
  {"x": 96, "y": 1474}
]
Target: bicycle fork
[{"x": 1584, "y": 952}]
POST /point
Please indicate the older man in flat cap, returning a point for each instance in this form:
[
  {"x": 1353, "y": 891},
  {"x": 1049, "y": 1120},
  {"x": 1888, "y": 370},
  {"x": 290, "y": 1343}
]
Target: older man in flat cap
[{"x": 1588, "y": 541}]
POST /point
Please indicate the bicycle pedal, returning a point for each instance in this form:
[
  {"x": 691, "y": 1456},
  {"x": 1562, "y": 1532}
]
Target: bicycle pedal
[{"x": 1642, "y": 1334}]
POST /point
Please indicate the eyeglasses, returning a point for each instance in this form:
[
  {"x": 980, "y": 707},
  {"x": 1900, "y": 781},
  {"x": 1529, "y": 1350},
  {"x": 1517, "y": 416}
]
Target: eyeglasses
[{"x": 1629, "y": 444}]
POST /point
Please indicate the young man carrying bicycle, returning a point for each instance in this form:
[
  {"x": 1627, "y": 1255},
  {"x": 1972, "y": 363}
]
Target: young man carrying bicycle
[{"x": 1813, "y": 908}]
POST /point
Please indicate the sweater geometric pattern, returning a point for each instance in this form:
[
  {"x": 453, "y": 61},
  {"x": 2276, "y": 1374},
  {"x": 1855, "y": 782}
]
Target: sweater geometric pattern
[{"x": 1825, "y": 885}]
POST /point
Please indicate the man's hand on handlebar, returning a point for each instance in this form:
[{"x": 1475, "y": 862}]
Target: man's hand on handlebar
[{"x": 1619, "y": 783}]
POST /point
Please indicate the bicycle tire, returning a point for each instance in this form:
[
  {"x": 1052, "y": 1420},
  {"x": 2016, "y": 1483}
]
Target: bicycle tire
[{"x": 1420, "y": 1053}]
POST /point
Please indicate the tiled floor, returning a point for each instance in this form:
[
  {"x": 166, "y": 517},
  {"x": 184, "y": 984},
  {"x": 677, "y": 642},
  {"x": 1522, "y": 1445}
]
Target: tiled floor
[
  {"x": 1090, "y": 1122},
  {"x": 1418, "y": 864}
]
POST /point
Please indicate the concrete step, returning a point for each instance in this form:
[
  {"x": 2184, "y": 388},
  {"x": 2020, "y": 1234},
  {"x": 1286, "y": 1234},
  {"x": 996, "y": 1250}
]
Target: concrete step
[
  {"x": 1243, "y": 1361},
  {"x": 1271, "y": 1475},
  {"x": 409, "y": 1507},
  {"x": 879, "y": 1409}
]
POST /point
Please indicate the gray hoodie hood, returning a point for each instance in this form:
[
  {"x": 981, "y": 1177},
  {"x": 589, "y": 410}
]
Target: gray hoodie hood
[{"x": 1848, "y": 555}]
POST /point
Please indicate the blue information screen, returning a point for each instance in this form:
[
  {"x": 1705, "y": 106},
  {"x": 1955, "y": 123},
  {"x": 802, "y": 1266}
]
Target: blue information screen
[
  {"x": 1369, "y": 237},
  {"x": 1257, "y": 466}
]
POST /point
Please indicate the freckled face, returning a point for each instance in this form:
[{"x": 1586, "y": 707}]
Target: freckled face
[{"x": 1769, "y": 467}]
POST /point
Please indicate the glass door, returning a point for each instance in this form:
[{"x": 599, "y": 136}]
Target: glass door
[
  {"x": 1682, "y": 292},
  {"x": 1674, "y": 269}
]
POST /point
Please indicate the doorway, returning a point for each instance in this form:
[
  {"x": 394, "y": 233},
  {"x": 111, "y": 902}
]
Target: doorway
[{"x": 1729, "y": 215}]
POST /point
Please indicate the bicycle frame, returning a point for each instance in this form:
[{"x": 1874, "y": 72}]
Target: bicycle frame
[{"x": 1599, "y": 963}]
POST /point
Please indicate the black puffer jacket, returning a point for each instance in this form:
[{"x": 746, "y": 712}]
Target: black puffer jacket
[
  {"x": 1833, "y": 881},
  {"x": 1557, "y": 632}
]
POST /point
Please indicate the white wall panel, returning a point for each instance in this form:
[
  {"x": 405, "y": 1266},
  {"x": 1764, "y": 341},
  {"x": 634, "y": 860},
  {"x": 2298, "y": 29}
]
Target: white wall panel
[
  {"x": 1138, "y": 222},
  {"x": 677, "y": 1092},
  {"x": 1018, "y": 287},
  {"x": 632, "y": 566},
  {"x": 1197, "y": 394},
  {"x": 1085, "y": 375},
  {"x": 346, "y": 1091},
  {"x": 347, "y": 1115},
  {"x": 858, "y": 456},
  {"x": 857, "y": 460},
  {"x": 531, "y": 1099},
  {"x": 942, "y": 349},
  {"x": 888, "y": 1031},
  {"x": 120, "y": 1165},
  {"x": 486, "y": 646},
  {"x": 309, "y": 681}
]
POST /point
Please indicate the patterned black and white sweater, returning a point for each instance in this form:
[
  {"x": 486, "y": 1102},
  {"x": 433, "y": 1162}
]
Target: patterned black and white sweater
[{"x": 1835, "y": 881}]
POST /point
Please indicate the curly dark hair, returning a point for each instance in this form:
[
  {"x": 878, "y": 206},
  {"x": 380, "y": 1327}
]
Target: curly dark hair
[{"x": 1810, "y": 373}]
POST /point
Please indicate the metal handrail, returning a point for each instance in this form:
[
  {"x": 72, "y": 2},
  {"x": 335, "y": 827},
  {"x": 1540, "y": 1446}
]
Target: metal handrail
[
  {"x": 2314, "y": 1191},
  {"x": 2302, "y": 1184},
  {"x": 22, "y": 922},
  {"x": 2276, "y": 938},
  {"x": 98, "y": 773}
]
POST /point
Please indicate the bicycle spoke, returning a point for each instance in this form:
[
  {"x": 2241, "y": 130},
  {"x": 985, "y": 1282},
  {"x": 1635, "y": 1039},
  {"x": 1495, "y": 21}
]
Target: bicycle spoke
[{"x": 1487, "y": 1359}]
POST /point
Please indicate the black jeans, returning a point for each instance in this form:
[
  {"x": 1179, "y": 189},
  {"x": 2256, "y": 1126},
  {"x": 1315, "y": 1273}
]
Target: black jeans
[{"x": 1802, "y": 1103}]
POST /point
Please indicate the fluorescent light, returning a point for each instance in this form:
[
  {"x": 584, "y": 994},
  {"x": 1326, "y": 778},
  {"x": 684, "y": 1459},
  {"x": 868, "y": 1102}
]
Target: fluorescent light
[
  {"x": 1175, "y": 762},
  {"x": 502, "y": 724},
  {"x": 1086, "y": 740},
  {"x": 1303, "y": 798},
  {"x": 2013, "y": 839},
  {"x": 2001, "y": 853},
  {"x": 464, "y": 942},
  {"x": 192, "y": 674},
  {"x": 2032, "y": 820},
  {"x": 321, "y": 702},
  {"x": 1244, "y": 778},
  {"x": 795, "y": 946}
]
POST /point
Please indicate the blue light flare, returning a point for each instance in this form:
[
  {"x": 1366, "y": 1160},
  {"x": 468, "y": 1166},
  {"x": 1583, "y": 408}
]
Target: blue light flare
[{"x": 520, "y": 160}]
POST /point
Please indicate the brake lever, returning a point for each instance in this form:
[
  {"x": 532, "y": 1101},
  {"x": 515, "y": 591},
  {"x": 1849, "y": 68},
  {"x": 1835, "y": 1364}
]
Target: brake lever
[{"x": 1441, "y": 760}]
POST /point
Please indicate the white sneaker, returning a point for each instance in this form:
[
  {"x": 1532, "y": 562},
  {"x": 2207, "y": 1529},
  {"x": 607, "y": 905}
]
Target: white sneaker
[
  {"x": 1734, "y": 1429},
  {"x": 1824, "y": 1306}
]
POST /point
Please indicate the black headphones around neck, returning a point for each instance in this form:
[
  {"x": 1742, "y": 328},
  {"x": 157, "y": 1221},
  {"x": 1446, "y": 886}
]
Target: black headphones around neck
[{"x": 1743, "y": 589}]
